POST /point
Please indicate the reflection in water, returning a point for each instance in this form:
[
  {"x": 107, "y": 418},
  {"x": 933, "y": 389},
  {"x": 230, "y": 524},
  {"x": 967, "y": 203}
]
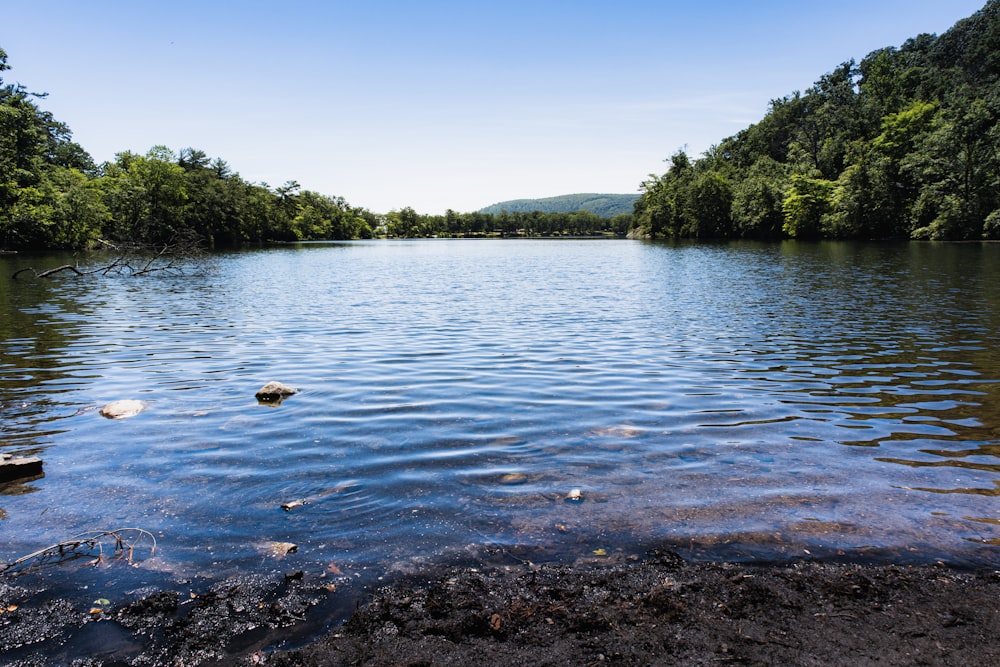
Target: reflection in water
[
  {"x": 737, "y": 400},
  {"x": 990, "y": 467},
  {"x": 979, "y": 492},
  {"x": 33, "y": 379}
]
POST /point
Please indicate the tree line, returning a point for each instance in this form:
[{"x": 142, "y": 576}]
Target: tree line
[
  {"x": 54, "y": 196},
  {"x": 409, "y": 223},
  {"x": 904, "y": 144}
]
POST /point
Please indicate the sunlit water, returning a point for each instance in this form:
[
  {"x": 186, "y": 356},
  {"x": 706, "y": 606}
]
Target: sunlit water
[{"x": 561, "y": 399}]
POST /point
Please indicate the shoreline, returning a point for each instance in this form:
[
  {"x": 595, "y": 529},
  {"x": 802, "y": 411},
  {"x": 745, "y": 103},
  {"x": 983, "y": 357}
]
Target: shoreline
[{"x": 650, "y": 609}]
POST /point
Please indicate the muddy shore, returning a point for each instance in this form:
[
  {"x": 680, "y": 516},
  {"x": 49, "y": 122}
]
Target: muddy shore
[{"x": 656, "y": 609}]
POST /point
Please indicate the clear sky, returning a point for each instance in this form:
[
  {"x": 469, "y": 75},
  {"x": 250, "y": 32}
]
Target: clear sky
[{"x": 437, "y": 104}]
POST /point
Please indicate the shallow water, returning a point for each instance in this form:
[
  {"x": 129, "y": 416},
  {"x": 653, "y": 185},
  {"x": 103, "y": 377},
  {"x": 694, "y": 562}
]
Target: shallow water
[{"x": 565, "y": 398}]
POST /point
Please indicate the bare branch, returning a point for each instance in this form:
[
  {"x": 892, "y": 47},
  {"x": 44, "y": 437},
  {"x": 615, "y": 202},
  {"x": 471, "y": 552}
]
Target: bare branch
[
  {"x": 83, "y": 545},
  {"x": 49, "y": 272},
  {"x": 64, "y": 267},
  {"x": 132, "y": 259}
]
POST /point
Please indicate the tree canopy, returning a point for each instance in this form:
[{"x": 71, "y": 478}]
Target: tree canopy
[
  {"x": 52, "y": 195},
  {"x": 904, "y": 144}
]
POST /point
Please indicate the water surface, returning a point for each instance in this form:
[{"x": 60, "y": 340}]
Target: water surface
[{"x": 561, "y": 398}]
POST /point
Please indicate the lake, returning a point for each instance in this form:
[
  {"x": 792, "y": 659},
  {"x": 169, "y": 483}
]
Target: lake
[{"x": 550, "y": 399}]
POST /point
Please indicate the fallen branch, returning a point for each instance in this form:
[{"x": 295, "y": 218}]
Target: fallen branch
[
  {"x": 82, "y": 546},
  {"x": 150, "y": 266},
  {"x": 46, "y": 274},
  {"x": 131, "y": 259}
]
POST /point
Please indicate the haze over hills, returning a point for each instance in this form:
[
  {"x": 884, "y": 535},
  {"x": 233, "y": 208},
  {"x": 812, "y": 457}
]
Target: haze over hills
[{"x": 603, "y": 205}]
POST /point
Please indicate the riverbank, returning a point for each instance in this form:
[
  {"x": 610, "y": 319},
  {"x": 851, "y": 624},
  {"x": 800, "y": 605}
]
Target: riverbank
[{"x": 653, "y": 610}]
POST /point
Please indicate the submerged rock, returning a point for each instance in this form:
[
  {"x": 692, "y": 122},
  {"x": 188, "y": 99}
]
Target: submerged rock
[
  {"x": 277, "y": 549},
  {"x": 274, "y": 392},
  {"x": 123, "y": 409}
]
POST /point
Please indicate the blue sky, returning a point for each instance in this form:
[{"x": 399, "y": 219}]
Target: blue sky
[{"x": 438, "y": 104}]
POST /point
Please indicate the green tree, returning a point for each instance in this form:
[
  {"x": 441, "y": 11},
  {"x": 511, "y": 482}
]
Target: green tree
[
  {"x": 146, "y": 195},
  {"x": 708, "y": 209},
  {"x": 858, "y": 204},
  {"x": 660, "y": 209},
  {"x": 958, "y": 166},
  {"x": 44, "y": 201},
  {"x": 404, "y": 223},
  {"x": 807, "y": 201},
  {"x": 78, "y": 210},
  {"x": 757, "y": 200}
]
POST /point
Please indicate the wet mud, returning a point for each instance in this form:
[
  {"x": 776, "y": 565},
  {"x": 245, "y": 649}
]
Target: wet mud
[{"x": 627, "y": 610}]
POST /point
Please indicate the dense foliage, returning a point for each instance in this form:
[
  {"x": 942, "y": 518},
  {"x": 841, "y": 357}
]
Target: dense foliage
[
  {"x": 409, "y": 223},
  {"x": 605, "y": 206},
  {"x": 905, "y": 144},
  {"x": 52, "y": 195}
]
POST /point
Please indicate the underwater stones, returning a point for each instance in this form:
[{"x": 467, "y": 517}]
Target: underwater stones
[
  {"x": 274, "y": 392},
  {"x": 513, "y": 478},
  {"x": 277, "y": 549},
  {"x": 122, "y": 409}
]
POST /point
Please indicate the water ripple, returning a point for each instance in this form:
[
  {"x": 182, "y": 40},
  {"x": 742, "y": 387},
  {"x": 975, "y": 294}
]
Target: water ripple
[{"x": 741, "y": 399}]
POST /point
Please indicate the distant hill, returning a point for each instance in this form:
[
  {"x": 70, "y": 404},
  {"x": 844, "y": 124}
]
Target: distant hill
[{"x": 606, "y": 206}]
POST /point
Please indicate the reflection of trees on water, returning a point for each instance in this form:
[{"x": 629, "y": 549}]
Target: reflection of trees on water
[
  {"x": 35, "y": 332},
  {"x": 974, "y": 491},
  {"x": 35, "y": 378}
]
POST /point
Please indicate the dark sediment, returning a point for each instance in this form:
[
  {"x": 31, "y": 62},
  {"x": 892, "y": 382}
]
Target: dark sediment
[{"x": 631, "y": 611}]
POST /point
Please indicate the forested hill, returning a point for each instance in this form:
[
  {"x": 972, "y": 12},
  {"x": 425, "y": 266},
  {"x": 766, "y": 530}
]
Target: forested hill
[
  {"x": 904, "y": 144},
  {"x": 605, "y": 206}
]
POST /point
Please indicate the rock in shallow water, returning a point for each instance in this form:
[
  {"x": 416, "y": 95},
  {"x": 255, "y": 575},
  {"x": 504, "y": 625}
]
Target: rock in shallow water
[
  {"x": 274, "y": 392},
  {"x": 18, "y": 467},
  {"x": 122, "y": 409}
]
